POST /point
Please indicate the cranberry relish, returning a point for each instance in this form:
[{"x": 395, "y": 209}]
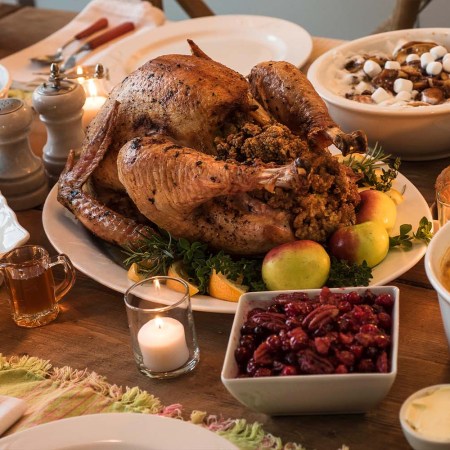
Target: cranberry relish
[{"x": 330, "y": 333}]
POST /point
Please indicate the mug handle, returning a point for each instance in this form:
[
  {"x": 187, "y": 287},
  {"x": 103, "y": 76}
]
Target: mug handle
[{"x": 69, "y": 275}]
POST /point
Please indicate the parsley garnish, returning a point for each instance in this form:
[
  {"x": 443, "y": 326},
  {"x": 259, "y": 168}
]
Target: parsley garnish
[
  {"x": 159, "y": 251},
  {"x": 405, "y": 240},
  {"x": 344, "y": 273}
]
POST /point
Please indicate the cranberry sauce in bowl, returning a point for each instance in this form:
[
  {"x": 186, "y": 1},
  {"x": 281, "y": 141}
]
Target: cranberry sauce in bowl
[
  {"x": 315, "y": 351},
  {"x": 328, "y": 333}
]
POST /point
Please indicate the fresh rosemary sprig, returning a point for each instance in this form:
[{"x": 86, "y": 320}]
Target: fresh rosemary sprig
[
  {"x": 154, "y": 256},
  {"x": 368, "y": 169},
  {"x": 405, "y": 240}
]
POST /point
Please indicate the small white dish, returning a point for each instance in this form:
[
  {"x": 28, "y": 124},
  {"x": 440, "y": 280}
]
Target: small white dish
[
  {"x": 308, "y": 394},
  {"x": 5, "y": 81},
  {"x": 417, "y": 439},
  {"x": 12, "y": 234}
]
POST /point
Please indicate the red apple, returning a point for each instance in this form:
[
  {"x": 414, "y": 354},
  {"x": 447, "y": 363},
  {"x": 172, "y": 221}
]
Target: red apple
[
  {"x": 300, "y": 264},
  {"x": 376, "y": 206},
  {"x": 367, "y": 241}
]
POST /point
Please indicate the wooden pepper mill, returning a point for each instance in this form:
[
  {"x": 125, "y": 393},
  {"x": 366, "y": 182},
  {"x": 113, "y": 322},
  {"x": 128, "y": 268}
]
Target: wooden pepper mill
[{"x": 59, "y": 103}]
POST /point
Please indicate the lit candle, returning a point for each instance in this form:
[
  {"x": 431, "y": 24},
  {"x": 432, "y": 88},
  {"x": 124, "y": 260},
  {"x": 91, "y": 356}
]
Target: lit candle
[
  {"x": 163, "y": 344},
  {"x": 93, "y": 103}
]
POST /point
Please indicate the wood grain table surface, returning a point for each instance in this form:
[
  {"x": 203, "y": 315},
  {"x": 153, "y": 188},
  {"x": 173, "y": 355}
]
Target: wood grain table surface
[{"x": 91, "y": 331}]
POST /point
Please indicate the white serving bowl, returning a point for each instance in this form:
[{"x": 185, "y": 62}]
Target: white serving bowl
[
  {"x": 436, "y": 250},
  {"x": 417, "y": 440},
  {"x": 5, "y": 81},
  {"x": 308, "y": 394},
  {"x": 413, "y": 133}
]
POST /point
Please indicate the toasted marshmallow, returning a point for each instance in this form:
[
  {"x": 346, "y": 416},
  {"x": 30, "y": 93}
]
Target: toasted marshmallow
[
  {"x": 426, "y": 58},
  {"x": 363, "y": 86},
  {"x": 412, "y": 57},
  {"x": 380, "y": 95},
  {"x": 371, "y": 68},
  {"x": 446, "y": 64},
  {"x": 438, "y": 52},
  {"x": 402, "y": 84},
  {"x": 403, "y": 96},
  {"x": 434, "y": 68},
  {"x": 392, "y": 65}
]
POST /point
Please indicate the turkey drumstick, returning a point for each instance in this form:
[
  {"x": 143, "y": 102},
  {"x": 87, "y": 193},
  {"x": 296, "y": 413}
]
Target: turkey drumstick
[{"x": 287, "y": 94}]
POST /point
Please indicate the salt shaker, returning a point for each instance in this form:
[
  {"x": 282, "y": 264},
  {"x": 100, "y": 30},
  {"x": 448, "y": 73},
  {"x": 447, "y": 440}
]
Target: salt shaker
[
  {"x": 59, "y": 103},
  {"x": 22, "y": 178}
]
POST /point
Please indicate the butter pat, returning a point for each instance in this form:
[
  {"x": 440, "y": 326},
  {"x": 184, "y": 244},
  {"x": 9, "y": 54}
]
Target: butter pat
[{"x": 429, "y": 415}]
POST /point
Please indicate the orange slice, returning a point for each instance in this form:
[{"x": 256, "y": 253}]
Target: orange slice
[
  {"x": 133, "y": 273},
  {"x": 221, "y": 287},
  {"x": 176, "y": 270}
]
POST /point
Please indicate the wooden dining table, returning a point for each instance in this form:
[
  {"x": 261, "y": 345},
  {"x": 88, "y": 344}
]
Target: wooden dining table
[{"x": 92, "y": 332}]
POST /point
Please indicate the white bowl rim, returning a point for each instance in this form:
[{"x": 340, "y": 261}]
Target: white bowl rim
[
  {"x": 343, "y": 102},
  {"x": 432, "y": 276},
  {"x": 413, "y": 396},
  {"x": 324, "y": 377}
]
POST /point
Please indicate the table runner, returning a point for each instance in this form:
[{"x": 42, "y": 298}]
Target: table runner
[{"x": 54, "y": 393}]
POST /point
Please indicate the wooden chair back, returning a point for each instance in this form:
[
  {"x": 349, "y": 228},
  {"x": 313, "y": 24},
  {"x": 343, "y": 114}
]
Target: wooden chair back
[{"x": 193, "y": 8}]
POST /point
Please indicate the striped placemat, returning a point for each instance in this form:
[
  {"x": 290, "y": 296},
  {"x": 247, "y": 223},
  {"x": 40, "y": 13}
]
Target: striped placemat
[{"x": 54, "y": 393}]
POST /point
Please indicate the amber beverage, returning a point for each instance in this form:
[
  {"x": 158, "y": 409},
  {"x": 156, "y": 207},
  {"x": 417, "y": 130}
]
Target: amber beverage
[
  {"x": 33, "y": 294},
  {"x": 443, "y": 204}
]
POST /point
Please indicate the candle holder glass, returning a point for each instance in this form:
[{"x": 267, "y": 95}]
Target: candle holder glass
[{"x": 162, "y": 328}]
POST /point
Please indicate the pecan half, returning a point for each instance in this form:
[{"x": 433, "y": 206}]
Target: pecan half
[{"x": 320, "y": 317}]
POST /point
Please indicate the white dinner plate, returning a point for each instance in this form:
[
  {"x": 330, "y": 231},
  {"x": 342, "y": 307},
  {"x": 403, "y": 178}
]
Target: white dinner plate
[
  {"x": 121, "y": 431},
  {"x": 68, "y": 236},
  {"x": 237, "y": 41}
]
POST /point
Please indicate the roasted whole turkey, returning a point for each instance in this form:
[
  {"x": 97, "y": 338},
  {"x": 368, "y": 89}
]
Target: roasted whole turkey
[{"x": 187, "y": 145}]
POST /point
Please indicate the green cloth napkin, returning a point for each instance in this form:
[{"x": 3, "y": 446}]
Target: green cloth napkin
[{"x": 54, "y": 393}]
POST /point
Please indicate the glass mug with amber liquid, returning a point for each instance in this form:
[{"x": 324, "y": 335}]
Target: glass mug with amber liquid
[{"x": 33, "y": 293}]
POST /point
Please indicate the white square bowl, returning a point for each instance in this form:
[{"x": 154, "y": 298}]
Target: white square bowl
[{"x": 308, "y": 394}]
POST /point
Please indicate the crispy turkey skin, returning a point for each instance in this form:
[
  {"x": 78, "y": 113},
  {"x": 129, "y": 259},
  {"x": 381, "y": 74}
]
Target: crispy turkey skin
[{"x": 185, "y": 139}]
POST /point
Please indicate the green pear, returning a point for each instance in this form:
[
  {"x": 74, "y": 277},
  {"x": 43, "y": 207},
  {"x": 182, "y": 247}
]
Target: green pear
[
  {"x": 296, "y": 265},
  {"x": 367, "y": 241}
]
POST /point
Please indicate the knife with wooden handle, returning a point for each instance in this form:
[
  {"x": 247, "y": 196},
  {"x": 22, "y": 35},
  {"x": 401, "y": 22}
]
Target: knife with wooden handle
[
  {"x": 96, "y": 26},
  {"x": 97, "y": 41}
]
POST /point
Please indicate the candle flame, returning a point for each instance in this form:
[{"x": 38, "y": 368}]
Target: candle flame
[
  {"x": 91, "y": 88},
  {"x": 80, "y": 72},
  {"x": 159, "y": 322},
  {"x": 157, "y": 285}
]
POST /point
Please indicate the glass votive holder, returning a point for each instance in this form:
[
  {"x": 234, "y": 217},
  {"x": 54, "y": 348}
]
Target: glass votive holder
[
  {"x": 162, "y": 327},
  {"x": 443, "y": 204}
]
